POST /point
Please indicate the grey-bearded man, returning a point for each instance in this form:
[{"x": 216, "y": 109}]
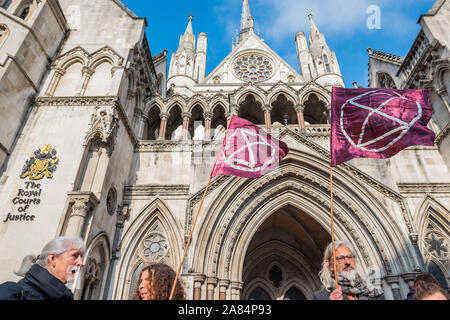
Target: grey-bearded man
[{"x": 351, "y": 285}]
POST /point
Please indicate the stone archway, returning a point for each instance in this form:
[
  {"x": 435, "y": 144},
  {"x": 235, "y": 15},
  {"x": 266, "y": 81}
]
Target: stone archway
[
  {"x": 284, "y": 256},
  {"x": 238, "y": 209}
]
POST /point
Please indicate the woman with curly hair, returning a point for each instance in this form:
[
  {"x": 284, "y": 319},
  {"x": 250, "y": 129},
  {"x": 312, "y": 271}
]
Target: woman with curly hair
[{"x": 155, "y": 283}]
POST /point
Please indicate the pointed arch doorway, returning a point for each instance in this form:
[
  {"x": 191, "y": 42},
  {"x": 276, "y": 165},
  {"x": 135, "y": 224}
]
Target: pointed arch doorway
[{"x": 284, "y": 257}]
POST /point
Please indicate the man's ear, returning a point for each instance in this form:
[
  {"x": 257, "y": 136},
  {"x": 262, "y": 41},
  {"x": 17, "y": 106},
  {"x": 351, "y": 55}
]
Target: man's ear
[
  {"x": 330, "y": 266},
  {"x": 51, "y": 258}
]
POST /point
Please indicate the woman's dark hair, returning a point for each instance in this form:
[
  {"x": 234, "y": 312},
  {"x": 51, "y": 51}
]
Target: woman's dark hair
[
  {"x": 161, "y": 281},
  {"x": 426, "y": 285}
]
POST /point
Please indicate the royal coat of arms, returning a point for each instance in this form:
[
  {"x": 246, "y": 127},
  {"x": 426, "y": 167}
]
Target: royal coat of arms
[{"x": 42, "y": 164}]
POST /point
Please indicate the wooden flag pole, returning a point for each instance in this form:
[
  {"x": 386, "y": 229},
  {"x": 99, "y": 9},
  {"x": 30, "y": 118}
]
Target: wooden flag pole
[
  {"x": 189, "y": 239},
  {"x": 332, "y": 229}
]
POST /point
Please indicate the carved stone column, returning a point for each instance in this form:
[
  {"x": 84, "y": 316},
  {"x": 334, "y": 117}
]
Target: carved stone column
[
  {"x": 410, "y": 278},
  {"x": 328, "y": 114},
  {"x": 82, "y": 204},
  {"x": 212, "y": 283},
  {"x": 267, "y": 117},
  {"x": 123, "y": 214},
  {"x": 57, "y": 75},
  {"x": 162, "y": 130},
  {"x": 236, "y": 288},
  {"x": 208, "y": 118},
  {"x": 198, "y": 282},
  {"x": 140, "y": 119},
  {"x": 87, "y": 74},
  {"x": 300, "y": 109},
  {"x": 186, "y": 118},
  {"x": 393, "y": 282},
  {"x": 234, "y": 111},
  {"x": 223, "y": 287}
]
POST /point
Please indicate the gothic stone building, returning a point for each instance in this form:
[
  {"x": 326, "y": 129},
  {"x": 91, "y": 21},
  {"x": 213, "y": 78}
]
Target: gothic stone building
[{"x": 97, "y": 140}]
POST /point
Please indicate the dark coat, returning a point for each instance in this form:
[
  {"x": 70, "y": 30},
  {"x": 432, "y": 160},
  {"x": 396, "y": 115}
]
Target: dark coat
[
  {"x": 325, "y": 295},
  {"x": 410, "y": 295},
  {"x": 38, "y": 284}
]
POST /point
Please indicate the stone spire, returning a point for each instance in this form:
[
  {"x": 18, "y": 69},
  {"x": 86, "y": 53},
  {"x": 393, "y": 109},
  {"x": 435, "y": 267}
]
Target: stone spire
[
  {"x": 314, "y": 31},
  {"x": 321, "y": 59},
  {"x": 246, "y": 19},
  {"x": 187, "y": 40},
  {"x": 317, "y": 43},
  {"x": 189, "y": 26}
]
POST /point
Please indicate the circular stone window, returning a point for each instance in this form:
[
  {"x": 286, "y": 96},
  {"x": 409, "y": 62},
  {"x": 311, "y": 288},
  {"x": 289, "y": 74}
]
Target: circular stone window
[
  {"x": 253, "y": 67},
  {"x": 154, "y": 247},
  {"x": 111, "y": 201}
]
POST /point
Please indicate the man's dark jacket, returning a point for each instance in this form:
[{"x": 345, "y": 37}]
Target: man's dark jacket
[
  {"x": 325, "y": 295},
  {"x": 38, "y": 284}
]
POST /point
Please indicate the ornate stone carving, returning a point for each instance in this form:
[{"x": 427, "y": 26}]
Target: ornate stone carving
[
  {"x": 154, "y": 247},
  {"x": 300, "y": 108},
  {"x": 104, "y": 124},
  {"x": 437, "y": 245},
  {"x": 443, "y": 134},
  {"x": 244, "y": 208},
  {"x": 149, "y": 191},
  {"x": 79, "y": 208},
  {"x": 253, "y": 67},
  {"x": 112, "y": 101}
]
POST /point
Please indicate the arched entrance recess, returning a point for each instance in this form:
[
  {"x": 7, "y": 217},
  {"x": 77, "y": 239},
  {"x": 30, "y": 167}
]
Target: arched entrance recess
[
  {"x": 239, "y": 208},
  {"x": 284, "y": 256}
]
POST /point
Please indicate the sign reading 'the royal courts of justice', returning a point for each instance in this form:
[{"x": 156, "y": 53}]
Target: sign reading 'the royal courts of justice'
[{"x": 39, "y": 166}]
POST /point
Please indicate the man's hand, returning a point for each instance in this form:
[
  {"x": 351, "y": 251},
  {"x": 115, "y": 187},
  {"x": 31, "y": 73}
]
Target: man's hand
[{"x": 337, "y": 294}]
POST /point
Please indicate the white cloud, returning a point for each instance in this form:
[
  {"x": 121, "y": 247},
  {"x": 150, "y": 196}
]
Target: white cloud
[
  {"x": 286, "y": 17},
  {"x": 279, "y": 20}
]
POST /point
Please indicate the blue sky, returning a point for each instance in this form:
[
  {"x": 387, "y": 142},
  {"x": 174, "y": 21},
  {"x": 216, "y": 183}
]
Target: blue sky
[{"x": 344, "y": 23}]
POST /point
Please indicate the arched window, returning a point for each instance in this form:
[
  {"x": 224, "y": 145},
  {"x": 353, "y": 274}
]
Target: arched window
[
  {"x": 24, "y": 13},
  {"x": 259, "y": 294},
  {"x": 251, "y": 110},
  {"x": 434, "y": 269},
  {"x": 153, "y": 124},
  {"x": 5, "y": 4},
  {"x": 135, "y": 278},
  {"x": 93, "y": 170},
  {"x": 386, "y": 81},
  {"x": 275, "y": 276},
  {"x": 294, "y": 294},
  {"x": 315, "y": 110},
  {"x": 92, "y": 280},
  {"x": 327, "y": 63}
]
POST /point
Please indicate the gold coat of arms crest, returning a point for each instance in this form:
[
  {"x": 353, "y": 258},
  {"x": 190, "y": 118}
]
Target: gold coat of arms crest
[{"x": 42, "y": 164}]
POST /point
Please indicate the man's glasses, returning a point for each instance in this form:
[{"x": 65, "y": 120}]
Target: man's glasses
[{"x": 341, "y": 259}]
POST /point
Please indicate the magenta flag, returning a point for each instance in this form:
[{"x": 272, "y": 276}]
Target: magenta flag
[
  {"x": 248, "y": 151},
  {"x": 378, "y": 123}
]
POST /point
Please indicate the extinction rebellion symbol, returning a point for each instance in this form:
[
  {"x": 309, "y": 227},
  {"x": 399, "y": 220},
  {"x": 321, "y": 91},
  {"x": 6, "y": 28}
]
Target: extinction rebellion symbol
[
  {"x": 254, "y": 146},
  {"x": 390, "y": 122}
]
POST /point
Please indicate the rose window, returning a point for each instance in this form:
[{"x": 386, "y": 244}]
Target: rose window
[
  {"x": 253, "y": 68},
  {"x": 154, "y": 247},
  {"x": 437, "y": 245}
]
